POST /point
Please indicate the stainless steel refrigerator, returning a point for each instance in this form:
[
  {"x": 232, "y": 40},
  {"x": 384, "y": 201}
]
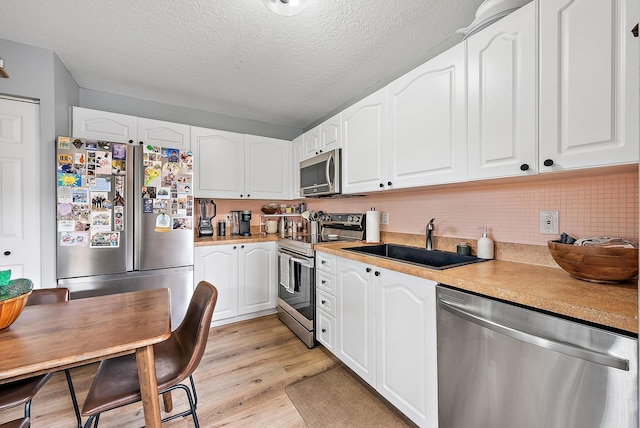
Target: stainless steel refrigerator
[{"x": 124, "y": 219}]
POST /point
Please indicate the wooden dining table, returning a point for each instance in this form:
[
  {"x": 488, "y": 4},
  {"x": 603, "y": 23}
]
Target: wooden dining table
[{"x": 52, "y": 337}]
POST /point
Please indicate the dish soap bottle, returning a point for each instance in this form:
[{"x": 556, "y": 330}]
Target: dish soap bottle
[{"x": 485, "y": 245}]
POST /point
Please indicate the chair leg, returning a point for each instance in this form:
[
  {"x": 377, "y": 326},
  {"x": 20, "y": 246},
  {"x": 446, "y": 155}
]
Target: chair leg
[
  {"x": 167, "y": 401},
  {"x": 192, "y": 407},
  {"x": 195, "y": 394},
  {"x": 72, "y": 392},
  {"x": 27, "y": 409},
  {"x": 92, "y": 420}
]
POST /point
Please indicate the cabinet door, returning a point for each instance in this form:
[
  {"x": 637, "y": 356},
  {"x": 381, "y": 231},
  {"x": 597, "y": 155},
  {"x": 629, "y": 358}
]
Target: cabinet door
[
  {"x": 219, "y": 265},
  {"x": 311, "y": 142},
  {"x": 296, "y": 157},
  {"x": 164, "y": 134},
  {"x": 355, "y": 318},
  {"x": 331, "y": 133},
  {"x": 103, "y": 125},
  {"x": 267, "y": 163},
  {"x": 406, "y": 345},
  {"x": 588, "y": 83},
  {"x": 326, "y": 330},
  {"x": 364, "y": 141},
  {"x": 502, "y": 97},
  {"x": 218, "y": 163},
  {"x": 257, "y": 271},
  {"x": 428, "y": 122}
]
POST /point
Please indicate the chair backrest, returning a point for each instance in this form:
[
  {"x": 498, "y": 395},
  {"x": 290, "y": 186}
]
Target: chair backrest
[
  {"x": 193, "y": 331},
  {"x": 41, "y": 296}
]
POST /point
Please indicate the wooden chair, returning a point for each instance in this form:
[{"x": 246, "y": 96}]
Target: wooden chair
[
  {"x": 22, "y": 391},
  {"x": 116, "y": 381},
  {"x": 18, "y": 423}
]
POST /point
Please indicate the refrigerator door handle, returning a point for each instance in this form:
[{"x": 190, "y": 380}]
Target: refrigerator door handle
[
  {"x": 543, "y": 342},
  {"x": 135, "y": 196}
]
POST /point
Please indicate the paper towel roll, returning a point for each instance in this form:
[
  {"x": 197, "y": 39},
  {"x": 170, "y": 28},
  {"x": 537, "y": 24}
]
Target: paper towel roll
[{"x": 373, "y": 226}]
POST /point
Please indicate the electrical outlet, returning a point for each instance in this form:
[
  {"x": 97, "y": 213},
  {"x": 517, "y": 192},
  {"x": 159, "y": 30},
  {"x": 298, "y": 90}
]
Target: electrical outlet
[
  {"x": 549, "y": 222},
  {"x": 227, "y": 218},
  {"x": 384, "y": 218}
]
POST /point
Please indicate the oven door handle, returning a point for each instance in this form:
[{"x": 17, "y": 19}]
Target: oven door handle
[{"x": 304, "y": 262}]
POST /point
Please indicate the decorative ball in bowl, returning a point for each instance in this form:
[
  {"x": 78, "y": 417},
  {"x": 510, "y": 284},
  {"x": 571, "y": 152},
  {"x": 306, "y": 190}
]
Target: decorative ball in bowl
[
  {"x": 13, "y": 298},
  {"x": 594, "y": 263}
]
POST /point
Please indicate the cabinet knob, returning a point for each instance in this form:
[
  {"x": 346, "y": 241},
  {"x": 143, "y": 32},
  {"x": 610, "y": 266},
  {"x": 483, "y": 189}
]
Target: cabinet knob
[
  {"x": 320, "y": 151},
  {"x": 7, "y": 253},
  {"x": 381, "y": 184},
  {"x": 524, "y": 167},
  {"x": 376, "y": 273},
  {"x": 322, "y": 262},
  {"x": 324, "y": 330},
  {"x": 634, "y": 31},
  {"x": 131, "y": 141},
  {"x": 389, "y": 183},
  {"x": 548, "y": 162},
  {"x": 241, "y": 246},
  {"x": 234, "y": 247},
  {"x": 368, "y": 270},
  {"x": 241, "y": 195},
  {"x": 248, "y": 195},
  {"x": 323, "y": 281},
  {"x": 323, "y": 302}
]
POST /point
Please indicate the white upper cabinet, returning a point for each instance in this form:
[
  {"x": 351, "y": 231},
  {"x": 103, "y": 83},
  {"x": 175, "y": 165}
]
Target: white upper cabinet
[
  {"x": 322, "y": 138},
  {"x": 331, "y": 133},
  {"x": 296, "y": 158},
  {"x": 311, "y": 142},
  {"x": 267, "y": 163},
  {"x": 428, "y": 123},
  {"x": 502, "y": 97},
  {"x": 103, "y": 125},
  {"x": 364, "y": 140},
  {"x": 219, "y": 163},
  {"x": 164, "y": 134},
  {"x": 588, "y": 83}
]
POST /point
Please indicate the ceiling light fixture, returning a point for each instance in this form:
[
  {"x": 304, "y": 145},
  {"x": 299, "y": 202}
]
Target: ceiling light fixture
[{"x": 285, "y": 7}]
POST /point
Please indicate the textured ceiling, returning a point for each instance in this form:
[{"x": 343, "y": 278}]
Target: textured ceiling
[{"x": 236, "y": 57}]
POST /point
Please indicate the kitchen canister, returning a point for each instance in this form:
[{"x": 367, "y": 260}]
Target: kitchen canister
[{"x": 372, "y": 225}]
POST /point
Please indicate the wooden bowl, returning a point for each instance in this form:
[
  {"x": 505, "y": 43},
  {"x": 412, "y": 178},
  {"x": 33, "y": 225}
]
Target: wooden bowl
[
  {"x": 595, "y": 263},
  {"x": 11, "y": 309}
]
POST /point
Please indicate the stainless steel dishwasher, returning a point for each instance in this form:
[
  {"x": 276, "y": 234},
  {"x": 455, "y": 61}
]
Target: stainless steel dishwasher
[{"x": 505, "y": 366}]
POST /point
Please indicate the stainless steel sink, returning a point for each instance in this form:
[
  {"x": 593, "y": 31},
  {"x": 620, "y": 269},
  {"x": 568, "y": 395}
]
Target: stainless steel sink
[{"x": 432, "y": 259}]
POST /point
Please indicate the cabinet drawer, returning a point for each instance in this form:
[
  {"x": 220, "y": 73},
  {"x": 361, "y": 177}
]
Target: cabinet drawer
[
  {"x": 325, "y": 329},
  {"x": 326, "y": 263},
  {"x": 326, "y": 302},
  {"x": 326, "y": 283}
]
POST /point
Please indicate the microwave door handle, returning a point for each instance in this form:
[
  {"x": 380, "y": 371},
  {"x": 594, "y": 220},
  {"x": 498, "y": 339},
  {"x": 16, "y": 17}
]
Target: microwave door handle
[{"x": 326, "y": 172}]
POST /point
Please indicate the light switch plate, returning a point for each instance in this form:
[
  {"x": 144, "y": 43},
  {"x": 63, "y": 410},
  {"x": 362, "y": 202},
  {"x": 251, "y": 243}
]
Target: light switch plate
[{"x": 549, "y": 222}]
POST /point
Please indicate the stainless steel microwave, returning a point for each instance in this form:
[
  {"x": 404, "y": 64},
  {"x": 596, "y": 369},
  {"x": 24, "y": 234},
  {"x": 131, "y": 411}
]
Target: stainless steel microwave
[{"x": 320, "y": 175}]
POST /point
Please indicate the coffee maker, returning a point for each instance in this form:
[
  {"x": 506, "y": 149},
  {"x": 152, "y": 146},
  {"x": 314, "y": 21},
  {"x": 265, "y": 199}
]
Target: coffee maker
[
  {"x": 245, "y": 223},
  {"x": 205, "y": 226}
]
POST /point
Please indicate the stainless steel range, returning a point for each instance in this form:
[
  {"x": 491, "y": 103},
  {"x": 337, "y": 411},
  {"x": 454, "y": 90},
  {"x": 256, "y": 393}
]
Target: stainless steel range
[{"x": 296, "y": 273}]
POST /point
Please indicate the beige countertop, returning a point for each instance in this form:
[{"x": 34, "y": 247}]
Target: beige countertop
[{"x": 542, "y": 287}]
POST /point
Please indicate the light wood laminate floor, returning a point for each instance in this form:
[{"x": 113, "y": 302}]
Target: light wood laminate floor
[{"x": 240, "y": 382}]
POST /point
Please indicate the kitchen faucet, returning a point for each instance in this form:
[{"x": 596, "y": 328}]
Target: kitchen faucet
[{"x": 430, "y": 228}]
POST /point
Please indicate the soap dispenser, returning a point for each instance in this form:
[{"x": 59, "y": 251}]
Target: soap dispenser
[{"x": 485, "y": 245}]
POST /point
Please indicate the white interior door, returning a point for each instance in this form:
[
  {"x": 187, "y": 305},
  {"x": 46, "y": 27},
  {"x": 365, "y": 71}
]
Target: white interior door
[{"x": 19, "y": 195}]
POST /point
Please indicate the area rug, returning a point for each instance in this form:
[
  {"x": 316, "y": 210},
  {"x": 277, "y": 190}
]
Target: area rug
[{"x": 336, "y": 398}]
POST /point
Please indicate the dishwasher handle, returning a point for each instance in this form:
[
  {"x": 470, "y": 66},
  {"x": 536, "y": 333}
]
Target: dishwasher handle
[{"x": 543, "y": 342}]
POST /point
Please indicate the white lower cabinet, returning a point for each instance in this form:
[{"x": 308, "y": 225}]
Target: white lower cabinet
[
  {"x": 245, "y": 276},
  {"x": 386, "y": 333},
  {"x": 326, "y": 301},
  {"x": 406, "y": 345}
]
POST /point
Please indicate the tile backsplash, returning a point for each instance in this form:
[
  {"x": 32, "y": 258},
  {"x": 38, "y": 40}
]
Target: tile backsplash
[{"x": 596, "y": 204}]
